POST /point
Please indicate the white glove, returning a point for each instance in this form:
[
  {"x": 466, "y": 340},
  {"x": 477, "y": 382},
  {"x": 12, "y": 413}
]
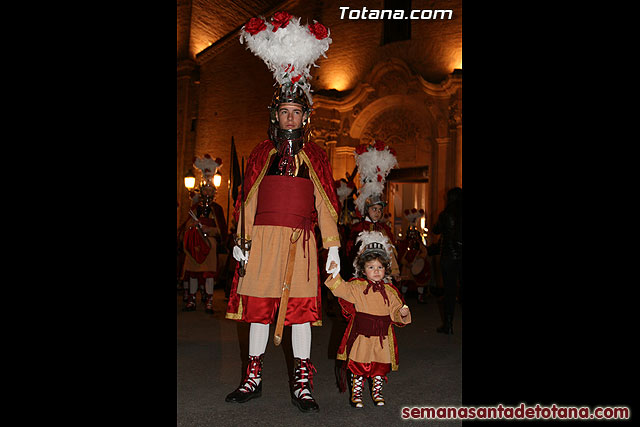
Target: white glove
[
  {"x": 333, "y": 256},
  {"x": 238, "y": 255}
]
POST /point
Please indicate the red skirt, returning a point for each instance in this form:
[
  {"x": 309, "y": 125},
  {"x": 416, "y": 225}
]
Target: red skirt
[
  {"x": 199, "y": 275},
  {"x": 368, "y": 369},
  {"x": 265, "y": 310}
]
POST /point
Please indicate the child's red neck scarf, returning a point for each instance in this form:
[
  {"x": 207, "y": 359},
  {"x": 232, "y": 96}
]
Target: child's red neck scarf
[{"x": 377, "y": 287}]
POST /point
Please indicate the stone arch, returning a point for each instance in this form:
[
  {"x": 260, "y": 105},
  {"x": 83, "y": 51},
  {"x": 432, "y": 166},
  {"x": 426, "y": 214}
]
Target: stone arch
[
  {"x": 401, "y": 108},
  {"x": 400, "y": 120}
]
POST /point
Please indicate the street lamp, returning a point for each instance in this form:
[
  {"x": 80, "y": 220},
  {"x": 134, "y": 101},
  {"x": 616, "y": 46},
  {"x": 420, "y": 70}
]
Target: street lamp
[
  {"x": 190, "y": 180},
  {"x": 217, "y": 179}
]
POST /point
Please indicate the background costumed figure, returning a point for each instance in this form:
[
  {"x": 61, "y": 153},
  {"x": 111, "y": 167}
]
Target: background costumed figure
[
  {"x": 374, "y": 162},
  {"x": 202, "y": 237},
  {"x": 415, "y": 264},
  {"x": 346, "y": 191}
]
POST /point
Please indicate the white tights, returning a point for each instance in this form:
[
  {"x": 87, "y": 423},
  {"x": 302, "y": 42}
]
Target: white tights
[
  {"x": 208, "y": 285},
  {"x": 300, "y": 339}
]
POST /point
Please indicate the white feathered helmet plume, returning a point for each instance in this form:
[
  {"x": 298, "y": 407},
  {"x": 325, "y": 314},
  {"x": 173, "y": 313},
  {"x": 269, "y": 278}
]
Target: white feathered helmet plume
[
  {"x": 207, "y": 165},
  {"x": 288, "y": 48},
  {"x": 343, "y": 190},
  {"x": 371, "y": 242},
  {"x": 374, "y": 164},
  {"x": 413, "y": 215}
]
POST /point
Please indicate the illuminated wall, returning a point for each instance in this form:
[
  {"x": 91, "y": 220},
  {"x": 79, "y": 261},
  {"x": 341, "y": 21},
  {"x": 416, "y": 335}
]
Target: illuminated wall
[{"x": 228, "y": 90}]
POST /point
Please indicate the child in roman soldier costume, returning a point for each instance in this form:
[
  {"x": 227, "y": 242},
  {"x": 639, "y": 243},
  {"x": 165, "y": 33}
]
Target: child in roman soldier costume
[
  {"x": 202, "y": 237},
  {"x": 373, "y": 306},
  {"x": 288, "y": 189},
  {"x": 374, "y": 162}
]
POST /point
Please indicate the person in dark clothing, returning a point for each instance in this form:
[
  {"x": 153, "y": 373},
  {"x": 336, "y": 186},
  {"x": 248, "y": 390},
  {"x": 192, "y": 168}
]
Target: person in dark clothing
[{"x": 449, "y": 225}]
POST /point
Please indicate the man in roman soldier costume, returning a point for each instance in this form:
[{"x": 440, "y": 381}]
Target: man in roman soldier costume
[
  {"x": 288, "y": 189},
  {"x": 374, "y": 162},
  {"x": 202, "y": 236}
]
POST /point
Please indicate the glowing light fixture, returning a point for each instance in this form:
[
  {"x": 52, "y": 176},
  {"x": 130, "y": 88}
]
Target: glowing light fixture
[{"x": 189, "y": 180}]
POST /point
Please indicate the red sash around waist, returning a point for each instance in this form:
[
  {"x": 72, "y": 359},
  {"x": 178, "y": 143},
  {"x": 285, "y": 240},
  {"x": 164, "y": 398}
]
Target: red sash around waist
[
  {"x": 288, "y": 202},
  {"x": 284, "y": 201},
  {"x": 368, "y": 325}
]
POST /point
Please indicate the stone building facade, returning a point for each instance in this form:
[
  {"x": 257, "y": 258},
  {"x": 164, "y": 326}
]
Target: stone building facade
[{"x": 407, "y": 93}]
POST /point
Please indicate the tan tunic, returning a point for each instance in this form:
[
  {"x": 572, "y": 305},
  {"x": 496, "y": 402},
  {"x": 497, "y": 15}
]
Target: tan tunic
[
  {"x": 368, "y": 349},
  {"x": 266, "y": 267}
]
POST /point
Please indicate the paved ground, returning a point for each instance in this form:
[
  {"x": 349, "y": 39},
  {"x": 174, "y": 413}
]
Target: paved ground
[{"x": 212, "y": 352}]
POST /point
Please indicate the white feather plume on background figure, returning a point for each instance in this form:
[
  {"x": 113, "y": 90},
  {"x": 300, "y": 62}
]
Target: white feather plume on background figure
[
  {"x": 413, "y": 215},
  {"x": 343, "y": 191},
  {"x": 207, "y": 165},
  {"x": 374, "y": 164}
]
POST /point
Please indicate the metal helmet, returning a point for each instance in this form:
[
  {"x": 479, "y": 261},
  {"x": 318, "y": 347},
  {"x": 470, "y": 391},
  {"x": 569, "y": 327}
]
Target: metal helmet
[{"x": 289, "y": 93}]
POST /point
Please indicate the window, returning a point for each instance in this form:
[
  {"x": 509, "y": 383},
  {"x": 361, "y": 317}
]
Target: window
[{"x": 395, "y": 30}]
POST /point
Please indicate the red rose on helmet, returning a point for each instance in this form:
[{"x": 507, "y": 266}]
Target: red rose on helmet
[
  {"x": 254, "y": 26},
  {"x": 280, "y": 19},
  {"x": 379, "y": 145},
  {"x": 362, "y": 148},
  {"x": 318, "y": 30}
]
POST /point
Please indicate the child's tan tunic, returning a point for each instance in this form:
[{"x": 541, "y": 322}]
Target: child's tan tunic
[{"x": 368, "y": 349}]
